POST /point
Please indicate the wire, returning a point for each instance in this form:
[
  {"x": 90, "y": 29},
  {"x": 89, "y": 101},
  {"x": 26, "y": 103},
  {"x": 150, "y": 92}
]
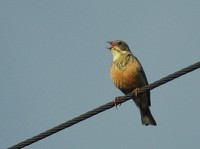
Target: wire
[{"x": 104, "y": 107}]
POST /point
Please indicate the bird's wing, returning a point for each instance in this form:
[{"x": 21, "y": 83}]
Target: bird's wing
[{"x": 145, "y": 78}]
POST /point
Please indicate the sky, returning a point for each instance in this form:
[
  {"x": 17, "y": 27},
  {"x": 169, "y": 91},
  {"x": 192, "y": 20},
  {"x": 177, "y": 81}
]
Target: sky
[{"x": 54, "y": 66}]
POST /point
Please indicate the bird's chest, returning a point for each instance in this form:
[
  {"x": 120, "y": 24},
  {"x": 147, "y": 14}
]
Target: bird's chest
[{"x": 125, "y": 78}]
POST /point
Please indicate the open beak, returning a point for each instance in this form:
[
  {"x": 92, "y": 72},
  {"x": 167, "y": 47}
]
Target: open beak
[{"x": 111, "y": 45}]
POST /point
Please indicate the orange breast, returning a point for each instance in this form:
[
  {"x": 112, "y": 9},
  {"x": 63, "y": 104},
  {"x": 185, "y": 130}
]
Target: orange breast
[{"x": 127, "y": 78}]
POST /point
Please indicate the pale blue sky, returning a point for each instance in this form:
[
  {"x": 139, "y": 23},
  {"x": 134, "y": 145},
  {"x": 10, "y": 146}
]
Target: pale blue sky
[{"x": 54, "y": 66}]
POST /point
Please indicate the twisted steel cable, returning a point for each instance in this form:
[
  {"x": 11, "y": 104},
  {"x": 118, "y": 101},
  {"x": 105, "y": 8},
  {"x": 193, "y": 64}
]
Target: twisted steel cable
[{"x": 104, "y": 107}]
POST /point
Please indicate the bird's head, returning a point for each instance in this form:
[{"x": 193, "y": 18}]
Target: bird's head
[{"x": 118, "y": 48}]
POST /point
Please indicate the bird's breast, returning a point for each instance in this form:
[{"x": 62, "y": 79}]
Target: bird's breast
[{"x": 125, "y": 78}]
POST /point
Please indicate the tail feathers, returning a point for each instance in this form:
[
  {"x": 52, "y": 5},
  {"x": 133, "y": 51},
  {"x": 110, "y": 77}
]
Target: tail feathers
[{"x": 146, "y": 117}]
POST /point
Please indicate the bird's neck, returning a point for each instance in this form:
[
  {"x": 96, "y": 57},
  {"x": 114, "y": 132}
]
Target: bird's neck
[{"x": 121, "y": 61}]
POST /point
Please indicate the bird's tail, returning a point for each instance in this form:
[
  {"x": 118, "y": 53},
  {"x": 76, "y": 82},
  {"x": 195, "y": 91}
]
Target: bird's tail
[{"x": 146, "y": 116}]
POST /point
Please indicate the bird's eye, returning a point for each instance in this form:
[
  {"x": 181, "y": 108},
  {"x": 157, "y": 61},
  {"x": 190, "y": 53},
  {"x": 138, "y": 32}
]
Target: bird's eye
[{"x": 119, "y": 43}]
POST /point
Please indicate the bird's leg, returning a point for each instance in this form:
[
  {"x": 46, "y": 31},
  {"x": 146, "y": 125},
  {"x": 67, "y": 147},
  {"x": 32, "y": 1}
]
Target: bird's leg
[
  {"x": 135, "y": 92},
  {"x": 115, "y": 102}
]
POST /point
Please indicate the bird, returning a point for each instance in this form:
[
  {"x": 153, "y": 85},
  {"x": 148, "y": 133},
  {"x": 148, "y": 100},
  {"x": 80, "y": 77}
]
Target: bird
[{"x": 128, "y": 75}]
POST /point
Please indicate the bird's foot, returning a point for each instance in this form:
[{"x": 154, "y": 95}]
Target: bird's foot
[
  {"x": 135, "y": 92},
  {"x": 115, "y": 102}
]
